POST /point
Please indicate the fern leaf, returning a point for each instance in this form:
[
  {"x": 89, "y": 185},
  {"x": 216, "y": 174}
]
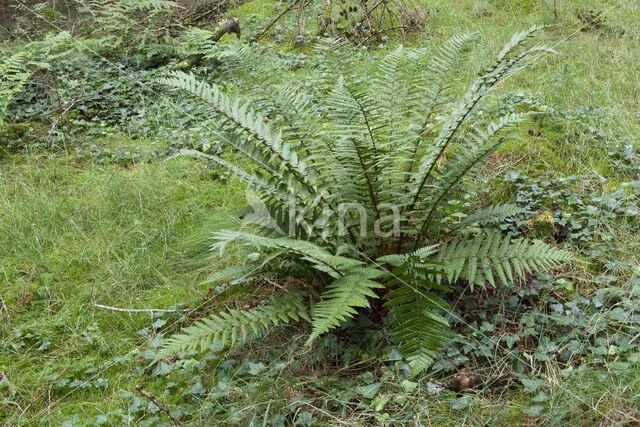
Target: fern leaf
[
  {"x": 342, "y": 297},
  {"x": 491, "y": 255},
  {"x": 500, "y": 68},
  {"x": 492, "y": 214},
  {"x": 322, "y": 260},
  {"x": 480, "y": 146},
  {"x": 416, "y": 321},
  {"x": 227, "y": 329}
]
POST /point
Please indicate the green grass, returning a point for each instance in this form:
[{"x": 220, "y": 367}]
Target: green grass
[{"x": 74, "y": 234}]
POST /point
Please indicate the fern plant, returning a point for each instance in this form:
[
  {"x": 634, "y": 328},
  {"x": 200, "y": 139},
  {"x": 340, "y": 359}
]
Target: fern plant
[
  {"x": 14, "y": 74},
  {"x": 362, "y": 179}
]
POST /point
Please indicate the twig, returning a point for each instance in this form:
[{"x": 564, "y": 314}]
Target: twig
[
  {"x": 137, "y": 310},
  {"x": 55, "y": 122},
  {"x": 35, "y": 398},
  {"x": 276, "y": 18},
  {"x": 159, "y": 405},
  {"x": 277, "y": 285},
  {"x": 395, "y": 27},
  {"x": 326, "y": 413},
  {"x": 301, "y": 19},
  {"x": 375, "y": 6},
  {"x": 634, "y": 338},
  {"x": 4, "y": 307},
  {"x": 231, "y": 26}
]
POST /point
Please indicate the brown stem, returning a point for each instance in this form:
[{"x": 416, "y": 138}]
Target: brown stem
[
  {"x": 159, "y": 405},
  {"x": 276, "y": 18},
  {"x": 231, "y": 26}
]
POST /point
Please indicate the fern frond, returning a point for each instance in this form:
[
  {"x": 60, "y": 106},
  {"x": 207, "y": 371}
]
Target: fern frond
[
  {"x": 436, "y": 83},
  {"x": 13, "y": 76},
  {"x": 227, "y": 329},
  {"x": 234, "y": 273},
  {"x": 480, "y": 145},
  {"x": 334, "y": 265},
  {"x": 416, "y": 322},
  {"x": 342, "y": 297},
  {"x": 273, "y": 149},
  {"x": 499, "y": 69},
  {"x": 491, "y": 255},
  {"x": 256, "y": 181},
  {"x": 492, "y": 214}
]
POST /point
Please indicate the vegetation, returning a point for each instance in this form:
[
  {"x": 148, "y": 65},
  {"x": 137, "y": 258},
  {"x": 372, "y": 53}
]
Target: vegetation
[
  {"x": 372, "y": 150},
  {"x": 395, "y": 228}
]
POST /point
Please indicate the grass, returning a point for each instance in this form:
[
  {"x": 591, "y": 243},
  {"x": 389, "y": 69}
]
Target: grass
[
  {"x": 81, "y": 234},
  {"x": 74, "y": 233}
]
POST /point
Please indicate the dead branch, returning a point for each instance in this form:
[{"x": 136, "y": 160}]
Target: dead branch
[
  {"x": 231, "y": 26},
  {"x": 275, "y": 19},
  {"x": 65, "y": 111},
  {"x": 4, "y": 307},
  {"x": 301, "y": 19},
  {"x": 138, "y": 310},
  {"x": 159, "y": 405}
]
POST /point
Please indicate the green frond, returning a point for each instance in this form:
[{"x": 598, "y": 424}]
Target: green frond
[
  {"x": 491, "y": 255},
  {"x": 255, "y": 180},
  {"x": 492, "y": 214},
  {"x": 232, "y": 327},
  {"x": 342, "y": 297},
  {"x": 415, "y": 310},
  {"x": 273, "y": 153},
  {"x": 13, "y": 76},
  {"x": 479, "y": 145},
  {"x": 234, "y": 273},
  {"x": 499, "y": 69},
  {"x": 322, "y": 260}
]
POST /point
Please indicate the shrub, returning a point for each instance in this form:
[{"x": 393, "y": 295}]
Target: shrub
[{"x": 360, "y": 189}]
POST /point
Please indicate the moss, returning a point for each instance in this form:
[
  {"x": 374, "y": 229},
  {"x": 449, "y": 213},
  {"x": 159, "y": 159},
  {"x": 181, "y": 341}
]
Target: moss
[{"x": 543, "y": 226}]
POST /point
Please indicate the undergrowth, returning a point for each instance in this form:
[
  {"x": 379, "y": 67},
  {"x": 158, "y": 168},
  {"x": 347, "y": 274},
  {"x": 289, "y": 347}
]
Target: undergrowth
[{"x": 92, "y": 213}]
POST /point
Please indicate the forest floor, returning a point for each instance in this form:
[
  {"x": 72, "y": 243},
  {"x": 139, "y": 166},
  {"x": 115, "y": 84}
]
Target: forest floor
[{"x": 75, "y": 232}]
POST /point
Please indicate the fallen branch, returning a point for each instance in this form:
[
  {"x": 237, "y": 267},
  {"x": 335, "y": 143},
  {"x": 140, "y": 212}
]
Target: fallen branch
[
  {"x": 138, "y": 310},
  {"x": 275, "y": 19},
  {"x": 159, "y": 405},
  {"x": 377, "y": 33},
  {"x": 231, "y": 26},
  {"x": 54, "y": 126}
]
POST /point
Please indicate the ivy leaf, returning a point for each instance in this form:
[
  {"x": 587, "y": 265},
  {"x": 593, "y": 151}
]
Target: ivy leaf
[
  {"x": 460, "y": 403},
  {"x": 368, "y": 391},
  {"x": 408, "y": 386},
  {"x": 256, "y": 368},
  {"x": 533, "y": 411},
  {"x": 162, "y": 369}
]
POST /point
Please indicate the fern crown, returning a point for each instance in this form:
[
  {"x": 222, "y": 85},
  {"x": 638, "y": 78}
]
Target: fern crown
[{"x": 362, "y": 178}]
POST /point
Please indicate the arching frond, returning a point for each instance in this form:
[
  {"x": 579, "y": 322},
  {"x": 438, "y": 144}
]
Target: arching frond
[
  {"x": 232, "y": 327},
  {"x": 491, "y": 255}
]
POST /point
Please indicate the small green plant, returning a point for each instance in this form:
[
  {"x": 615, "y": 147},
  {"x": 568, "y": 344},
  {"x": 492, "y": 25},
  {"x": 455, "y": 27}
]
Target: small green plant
[{"x": 360, "y": 186}]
